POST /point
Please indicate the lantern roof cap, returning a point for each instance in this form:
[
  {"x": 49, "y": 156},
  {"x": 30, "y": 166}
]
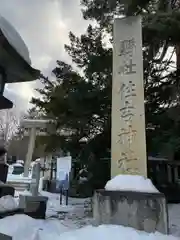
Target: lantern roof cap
[
  {"x": 14, "y": 39},
  {"x": 15, "y": 63}
]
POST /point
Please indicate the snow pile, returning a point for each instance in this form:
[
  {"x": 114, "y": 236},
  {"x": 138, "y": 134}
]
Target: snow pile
[
  {"x": 7, "y": 203},
  {"x": 17, "y": 165},
  {"x": 107, "y": 232},
  {"x": 21, "y": 162},
  {"x": 134, "y": 183},
  {"x": 18, "y": 178},
  {"x": 14, "y": 39},
  {"x": 12, "y": 226},
  {"x": 24, "y": 227},
  {"x": 26, "y": 193}
]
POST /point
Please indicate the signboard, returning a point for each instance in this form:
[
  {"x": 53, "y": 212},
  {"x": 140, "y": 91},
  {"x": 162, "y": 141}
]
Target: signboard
[
  {"x": 128, "y": 145},
  {"x": 63, "y": 166}
]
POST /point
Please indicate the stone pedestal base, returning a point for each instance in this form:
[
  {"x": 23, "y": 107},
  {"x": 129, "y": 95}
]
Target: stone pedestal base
[
  {"x": 11, "y": 213},
  {"x": 5, "y": 237},
  {"x": 6, "y": 189},
  {"x": 34, "y": 206},
  {"x": 142, "y": 211}
]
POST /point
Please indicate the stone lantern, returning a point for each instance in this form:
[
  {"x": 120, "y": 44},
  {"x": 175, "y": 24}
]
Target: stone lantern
[
  {"x": 15, "y": 63},
  {"x": 15, "y": 66}
]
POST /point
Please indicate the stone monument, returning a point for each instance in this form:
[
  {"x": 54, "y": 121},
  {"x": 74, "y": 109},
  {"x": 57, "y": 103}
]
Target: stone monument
[
  {"x": 15, "y": 66},
  {"x": 141, "y": 210},
  {"x": 128, "y": 144},
  {"x": 5, "y": 237},
  {"x": 34, "y": 186},
  {"x": 34, "y": 204}
]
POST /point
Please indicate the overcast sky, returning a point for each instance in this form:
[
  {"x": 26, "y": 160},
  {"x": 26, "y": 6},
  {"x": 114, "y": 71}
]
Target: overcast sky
[{"x": 44, "y": 25}]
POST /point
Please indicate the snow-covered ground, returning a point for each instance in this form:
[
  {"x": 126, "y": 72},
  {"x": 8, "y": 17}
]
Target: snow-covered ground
[
  {"x": 24, "y": 227},
  {"x": 74, "y": 222},
  {"x": 75, "y": 215}
]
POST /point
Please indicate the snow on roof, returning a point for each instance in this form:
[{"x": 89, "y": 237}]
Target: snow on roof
[
  {"x": 14, "y": 39},
  {"x": 20, "y": 161},
  {"x": 36, "y": 120},
  {"x": 17, "y": 164},
  {"x": 18, "y": 178},
  {"x": 133, "y": 183},
  {"x": 157, "y": 158},
  {"x": 37, "y": 123},
  {"x": 38, "y": 160}
]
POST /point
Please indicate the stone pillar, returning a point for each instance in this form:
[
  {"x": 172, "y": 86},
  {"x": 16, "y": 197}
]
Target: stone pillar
[
  {"x": 128, "y": 144},
  {"x": 31, "y": 145},
  {"x": 169, "y": 173},
  {"x": 34, "y": 187},
  {"x": 34, "y": 205},
  {"x": 176, "y": 174}
]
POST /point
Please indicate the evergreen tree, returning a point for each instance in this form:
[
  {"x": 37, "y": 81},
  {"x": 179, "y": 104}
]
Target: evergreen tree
[{"x": 81, "y": 103}]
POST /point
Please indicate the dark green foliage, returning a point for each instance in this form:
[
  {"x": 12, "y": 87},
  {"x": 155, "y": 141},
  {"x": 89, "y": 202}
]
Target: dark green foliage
[{"x": 81, "y": 104}]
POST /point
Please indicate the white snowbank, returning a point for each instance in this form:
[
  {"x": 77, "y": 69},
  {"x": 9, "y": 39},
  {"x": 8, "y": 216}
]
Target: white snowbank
[
  {"x": 14, "y": 39},
  {"x": 18, "y": 178},
  {"x": 7, "y": 203},
  {"x": 17, "y": 164},
  {"x": 26, "y": 193},
  {"x": 130, "y": 183},
  {"x": 107, "y": 232},
  {"x": 24, "y": 227},
  {"x": 20, "y": 161}
]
